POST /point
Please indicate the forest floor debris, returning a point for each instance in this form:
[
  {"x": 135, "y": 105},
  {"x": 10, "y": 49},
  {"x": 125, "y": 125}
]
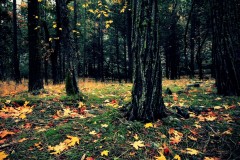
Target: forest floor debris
[{"x": 51, "y": 125}]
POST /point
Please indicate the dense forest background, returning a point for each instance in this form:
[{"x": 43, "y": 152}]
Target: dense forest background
[{"x": 48, "y": 40}]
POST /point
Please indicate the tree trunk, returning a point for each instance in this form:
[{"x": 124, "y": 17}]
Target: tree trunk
[
  {"x": 226, "y": 45},
  {"x": 15, "y": 45},
  {"x": 35, "y": 58},
  {"x": 147, "y": 103},
  {"x": 67, "y": 49},
  {"x": 192, "y": 43}
]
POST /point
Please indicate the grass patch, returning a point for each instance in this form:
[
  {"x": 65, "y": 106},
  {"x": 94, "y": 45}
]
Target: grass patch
[{"x": 214, "y": 132}]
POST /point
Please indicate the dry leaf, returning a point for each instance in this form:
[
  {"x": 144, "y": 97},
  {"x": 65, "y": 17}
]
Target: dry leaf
[
  {"x": 177, "y": 157},
  {"x": 3, "y": 155},
  {"x": 161, "y": 157},
  {"x": 136, "y": 137},
  {"x": 148, "y": 125},
  {"x": 22, "y": 140},
  {"x": 137, "y": 144},
  {"x": 192, "y": 151},
  {"x": 192, "y": 138},
  {"x": 104, "y": 153},
  {"x": 6, "y": 133}
]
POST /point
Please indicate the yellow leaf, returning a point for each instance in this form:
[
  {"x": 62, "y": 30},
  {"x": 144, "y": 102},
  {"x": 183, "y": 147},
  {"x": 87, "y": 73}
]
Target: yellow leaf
[
  {"x": 85, "y": 5},
  {"x": 93, "y": 132},
  {"x": 104, "y": 153},
  {"x": 104, "y": 125},
  {"x": 39, "y": 1},
  {"x": 3, "y": 155},
  {"x": 23, "y": 116},
  {"x": 8, "y": 101},
  {"x": 136, "y": 137},
  {"x": 177, "y": 157},
  {"x": 162, "y": 157},
  {"x": 71, "y": 141},
  {"x": 192, "y": 138},
  {"x": 50, "y": 39},
  {"x": 148, "y": 125},
  {"x": 58, "y": 148},
  {"x": 36, "y": 17},
  {"x": 137, "y": 144},
  {"x": 217, "y": 107},
  {"x": 210, "y": 118},
  {"x": 192, "y": 151},
  {"x": 99, "y": 15},
  {"x": 60, "y": 29},
  {"x": 55, "y": 26},
  {"x": 91, "y": 10},
  {"x": 105, "y": 14},
  {"x": 107, "y": 26},
  {"x": 122, "y": 10},
  {"x": 66, "y": 112}
]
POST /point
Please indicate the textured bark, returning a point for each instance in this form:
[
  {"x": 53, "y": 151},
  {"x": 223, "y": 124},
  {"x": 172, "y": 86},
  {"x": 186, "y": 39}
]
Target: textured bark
[
  {"x": 15, "y": 45},
  {"x": 35, "y": 58},
  {"x": 67, "y": 48},
  {"x": 147, "y": 103},
  {"x": 226, "y": 45}
]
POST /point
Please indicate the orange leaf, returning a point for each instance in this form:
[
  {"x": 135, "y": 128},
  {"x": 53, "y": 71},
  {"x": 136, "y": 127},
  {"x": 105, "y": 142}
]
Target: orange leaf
[
  {"x": 2, "y": 141},
  {"x": 5, "y": 133}
]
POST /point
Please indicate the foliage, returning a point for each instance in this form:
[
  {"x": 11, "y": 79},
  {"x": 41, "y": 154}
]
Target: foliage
[{"x": 71, "y": 129}]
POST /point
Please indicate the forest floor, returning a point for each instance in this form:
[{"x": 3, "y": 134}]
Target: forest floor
[{"x": 50, "y": 125}]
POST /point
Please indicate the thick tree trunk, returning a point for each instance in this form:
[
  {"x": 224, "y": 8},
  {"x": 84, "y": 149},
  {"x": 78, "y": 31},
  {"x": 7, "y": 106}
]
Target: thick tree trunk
[
  {"x": 35, "y": 58},
  {"x": 147, "y": 103},
  {"x": 226, "y": 45},
  {"x": 15, "y": 45}
]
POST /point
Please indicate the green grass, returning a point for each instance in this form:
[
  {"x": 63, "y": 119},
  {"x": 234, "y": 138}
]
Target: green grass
[{"x": 119, "y": 134}]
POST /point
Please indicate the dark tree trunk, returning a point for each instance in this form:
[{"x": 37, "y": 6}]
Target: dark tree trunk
[
  {"x": 15, "y": 45},
  {"x": 192, "y": 43},
  {"x": 118, "y": 56},
  {"x": 147, "y": 103},
  {"x": 35, "y": 58},
  {"x": 129, "y": 41},
  {"x": 56, "y": 66},
  {"x": 67, "y": 49},
  {"x": 226, "y": 45}
]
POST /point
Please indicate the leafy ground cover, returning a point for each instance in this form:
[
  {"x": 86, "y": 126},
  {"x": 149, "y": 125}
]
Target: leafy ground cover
[{"x": 51, "y": 125}]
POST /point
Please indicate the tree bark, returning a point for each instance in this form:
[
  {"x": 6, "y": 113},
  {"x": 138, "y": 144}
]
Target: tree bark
[
  {"x": 35, "y": 58},
  {"x": 15, "y": 45},
  {"x": 147, "y": 103},
  {"x": 226, "y": 45},
  {"x": 67, "y": 49}
]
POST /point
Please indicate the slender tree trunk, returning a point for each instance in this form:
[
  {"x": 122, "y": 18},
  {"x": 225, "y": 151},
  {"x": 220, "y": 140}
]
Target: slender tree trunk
[
  {"x": 192, "y": 43},
  {"x": 35, "y": 58},
  {"x": 15, "y": 45},
  {"x": 147, "y": 103},
  {"x": 129, "y": 41}
]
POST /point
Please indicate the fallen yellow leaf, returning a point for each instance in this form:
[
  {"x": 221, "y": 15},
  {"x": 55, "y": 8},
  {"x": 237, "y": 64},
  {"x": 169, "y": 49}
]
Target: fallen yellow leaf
[
  {"x": 93, "y": 132},
  {"x": 162, "y": 157},
  {"x": 192, "y": 151},
  {"x": 137, "y": 144},
  {"x": 177, "y": 157},
  {"x": 136, "y": 137},
  {"x": 104, "y": 153},
  {"x": 148, "y": 125},
  {"x": 104, "y": 125},
  {"x": 3, "y": 155}
]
